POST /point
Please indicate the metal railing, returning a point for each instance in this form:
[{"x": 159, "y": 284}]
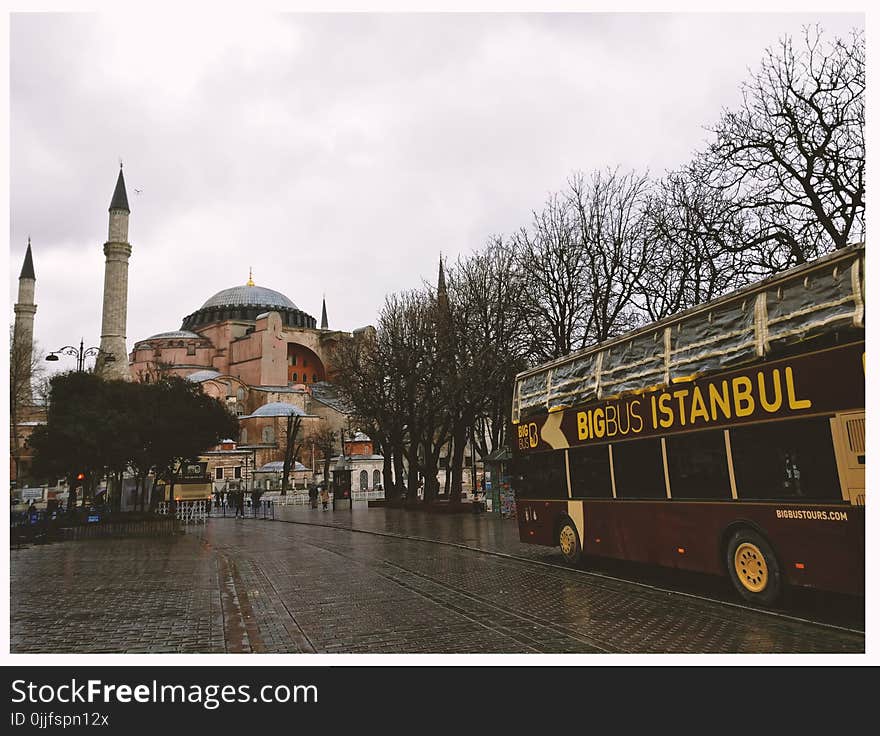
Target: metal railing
[
  {"x": 187, "y": 512},
  {"x": 298, "y": 498},
  {"x": 228, "y": 508}
]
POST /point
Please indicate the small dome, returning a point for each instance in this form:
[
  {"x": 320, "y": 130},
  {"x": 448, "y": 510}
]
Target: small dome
[
  {"x": 277, "y": 466},
  {"x": 241, "y": 296},
  {"x": 200, "y": 376},
  {"x": 277, "y": 409}
]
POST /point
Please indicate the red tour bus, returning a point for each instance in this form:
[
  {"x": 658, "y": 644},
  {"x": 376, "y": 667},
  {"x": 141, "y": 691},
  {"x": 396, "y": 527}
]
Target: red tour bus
[{"x": 727, "y": 439}]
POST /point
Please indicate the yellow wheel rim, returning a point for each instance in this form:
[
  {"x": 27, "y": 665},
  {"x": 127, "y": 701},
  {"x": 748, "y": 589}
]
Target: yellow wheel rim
[
  {"x": 751, "y": 567},
  {"x": 567, "y": 540}
]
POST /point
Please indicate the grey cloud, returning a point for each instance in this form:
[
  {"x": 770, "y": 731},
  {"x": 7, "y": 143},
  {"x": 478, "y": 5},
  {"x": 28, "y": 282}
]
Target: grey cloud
[{"x": 334, "y": 153}]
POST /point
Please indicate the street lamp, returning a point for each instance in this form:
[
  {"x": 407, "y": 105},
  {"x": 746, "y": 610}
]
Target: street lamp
[{"x": 80, "y": 354}]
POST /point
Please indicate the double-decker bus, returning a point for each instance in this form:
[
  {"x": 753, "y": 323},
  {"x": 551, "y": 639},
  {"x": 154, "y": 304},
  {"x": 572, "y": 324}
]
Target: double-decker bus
[{"x": 726, "y": 439}]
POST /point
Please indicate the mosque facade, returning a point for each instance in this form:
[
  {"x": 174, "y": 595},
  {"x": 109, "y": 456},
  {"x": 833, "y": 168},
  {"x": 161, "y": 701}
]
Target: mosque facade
[{"x": 255, "y": 350}]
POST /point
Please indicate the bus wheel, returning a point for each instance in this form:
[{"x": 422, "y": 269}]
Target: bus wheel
[
  {"x": 753, "y": 567},
  {"x": 569, "y": 543}
]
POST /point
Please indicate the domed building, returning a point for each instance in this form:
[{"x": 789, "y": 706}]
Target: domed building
[
  {"x": 252, "y": 333},
  {"x": 251, "y": 346}
]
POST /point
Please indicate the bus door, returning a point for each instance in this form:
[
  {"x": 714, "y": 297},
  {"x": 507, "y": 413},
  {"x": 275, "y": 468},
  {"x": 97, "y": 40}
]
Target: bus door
[{"x": 849, "y": 447}]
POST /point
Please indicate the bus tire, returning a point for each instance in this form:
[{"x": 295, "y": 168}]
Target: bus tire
[
  {"x": 569, "y": 542},
  {"x": 753, "y": 567}
]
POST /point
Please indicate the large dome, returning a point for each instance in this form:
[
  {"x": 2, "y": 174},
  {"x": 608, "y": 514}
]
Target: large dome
[
  {"x": 257, "y": 296},
  {"x": 246, "y": 304}
]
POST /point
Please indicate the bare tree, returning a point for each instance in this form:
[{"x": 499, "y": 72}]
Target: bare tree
[
  {"x": 369, "y": 384},
  {"x": 324, "y": 440},
  {"x": 692, "y": 232},
  {"x": 292, "y": 448},
  {"x": 27, "y": 389},
  {"x": 549, "y": 274},
  {"x": 486, "y": 349},
  {"x": 793, "y": 155},
  {"x": 609, "y": 230}
]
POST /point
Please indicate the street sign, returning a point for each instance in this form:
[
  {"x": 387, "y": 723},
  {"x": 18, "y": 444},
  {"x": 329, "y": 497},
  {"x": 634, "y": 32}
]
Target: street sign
[{"x": 28, "y": 494}]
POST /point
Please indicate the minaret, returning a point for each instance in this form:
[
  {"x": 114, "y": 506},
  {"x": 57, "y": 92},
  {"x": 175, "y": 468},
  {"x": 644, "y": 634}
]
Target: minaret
[
  {"x": 323, "y": 313},
  {"x": 443, "y": 314},
  {"x": 23, "y": 335},
  {"x": 117, "y": 252},
  {"x": 442, "y": 295}
]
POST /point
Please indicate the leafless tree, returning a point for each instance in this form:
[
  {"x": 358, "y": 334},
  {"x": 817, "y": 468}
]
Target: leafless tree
[
  {"x": 365, "y": 376},
  {"x": 793, "y": 155},
  {"x": 487, "y": 350},
  {"x": 691, "y": 232},
  {"x": 609, "y": 230},
  {"x": 324, "y": 440},
  {"x": 293, "y": 443},
  {"x": 549, "y": 273},
  {"x": 394, "y": 384},
  {"x": 27, "y": 389}
]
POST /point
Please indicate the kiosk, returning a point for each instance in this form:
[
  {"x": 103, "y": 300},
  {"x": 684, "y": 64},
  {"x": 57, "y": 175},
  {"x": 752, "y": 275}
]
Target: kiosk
[{"x": 341, "y": 484}]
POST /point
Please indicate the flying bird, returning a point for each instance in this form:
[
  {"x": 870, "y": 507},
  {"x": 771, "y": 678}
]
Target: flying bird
[{"x": 138, "y": 191}]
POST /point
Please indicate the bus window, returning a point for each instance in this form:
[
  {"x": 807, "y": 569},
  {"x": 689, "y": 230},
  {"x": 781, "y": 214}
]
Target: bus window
[
  {"x": 541, "y": 475},
  {"x": 590, "y": 471},
  {"x": 792, "y": 459},
  {"x": 638, "y": 469},
  {"x": 698, "y": 465}
]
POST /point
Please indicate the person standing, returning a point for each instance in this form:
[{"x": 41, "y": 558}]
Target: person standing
[
  {"x": 313, "y": 495},
  {"x": 325, "y": 497}
]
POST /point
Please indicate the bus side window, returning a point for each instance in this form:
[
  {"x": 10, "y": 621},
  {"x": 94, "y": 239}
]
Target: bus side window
[
  {"x": 698, "y": 465},
  {"x": 790, "y": 459},
  {"x": 540, "y": 475},
  {"x": 590, "y": 471},
  {"x": 638, "y": 469}
]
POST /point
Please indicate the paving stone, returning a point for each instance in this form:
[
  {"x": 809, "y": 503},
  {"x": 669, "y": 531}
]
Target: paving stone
[{"x": 323, "y": 587}]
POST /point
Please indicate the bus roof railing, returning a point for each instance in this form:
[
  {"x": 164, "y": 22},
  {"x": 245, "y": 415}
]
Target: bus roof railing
[{"x": 749, "y": 324}]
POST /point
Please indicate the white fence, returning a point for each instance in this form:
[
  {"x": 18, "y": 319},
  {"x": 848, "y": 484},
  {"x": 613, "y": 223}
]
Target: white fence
[
  {"x": 298, "y": 498},
  {"x": 187, "y": 512}
]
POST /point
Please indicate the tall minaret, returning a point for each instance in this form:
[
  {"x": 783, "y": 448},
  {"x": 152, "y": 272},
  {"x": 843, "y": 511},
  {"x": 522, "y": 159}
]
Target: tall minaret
[
  {"x": 442, "y": 295},
  {"x": 117, "y": 252},
  {"x": 23, "y": 335},
  {"x": 323, "y": 313}
]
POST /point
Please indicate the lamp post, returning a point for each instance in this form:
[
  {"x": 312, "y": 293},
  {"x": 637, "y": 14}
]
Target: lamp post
[{"x": 80, "y": 354}]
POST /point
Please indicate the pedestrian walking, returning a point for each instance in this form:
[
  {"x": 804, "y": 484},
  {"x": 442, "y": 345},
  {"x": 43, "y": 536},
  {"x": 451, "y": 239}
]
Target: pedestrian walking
[
  {"x": 325, "y": 497},
  {"x": 313, "y": 495}
]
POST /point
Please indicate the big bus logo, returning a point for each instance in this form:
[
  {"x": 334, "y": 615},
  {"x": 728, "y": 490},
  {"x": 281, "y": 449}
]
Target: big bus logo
[{"x": 527, "y": 435}]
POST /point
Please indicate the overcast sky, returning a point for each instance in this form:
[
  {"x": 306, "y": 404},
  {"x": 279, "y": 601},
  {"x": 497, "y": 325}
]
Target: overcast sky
[{"x": 335, "y": 154}]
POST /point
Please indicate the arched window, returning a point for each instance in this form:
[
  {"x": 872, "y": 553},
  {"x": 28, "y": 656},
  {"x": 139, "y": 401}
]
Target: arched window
[
  {"x": 364, "y": 477},
  {"x": 293, "y": 377},
  {"x": 377, "y": 479},
  {"x": 268, "y": 435},
  {"x": 242, "y": 437},
  {"x": 314, "y": 378}
]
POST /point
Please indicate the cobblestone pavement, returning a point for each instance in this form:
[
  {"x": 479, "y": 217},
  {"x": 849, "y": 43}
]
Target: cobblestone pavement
[
  {"x": 262, "y": 586},
  {"x": 488, "y": 532}
]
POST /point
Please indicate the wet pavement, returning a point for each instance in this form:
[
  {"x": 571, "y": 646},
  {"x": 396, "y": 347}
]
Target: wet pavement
[{"x": 310, "y": 583}]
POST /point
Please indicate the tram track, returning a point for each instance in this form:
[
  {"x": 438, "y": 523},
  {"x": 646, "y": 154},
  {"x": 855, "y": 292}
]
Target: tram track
[
  {"x": 455, "y": 601},
  {"x": 461, "y": 610},
  {"x": 565, "y": 569}
]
